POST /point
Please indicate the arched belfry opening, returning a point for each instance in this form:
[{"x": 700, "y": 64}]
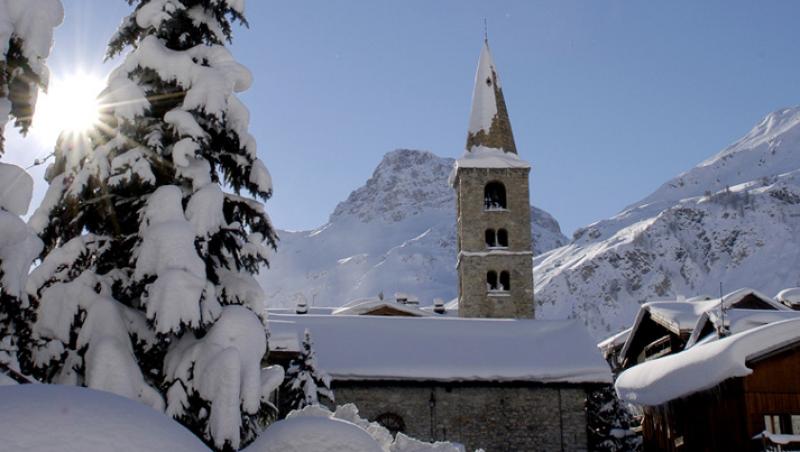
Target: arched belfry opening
[
  {"x": 502, "y": 238},
  {"x": 491, "y": 281},
  {"x": 505, "y": 281},
  {"x": 491, "y": 238},
  {"x": 494, "y": 196}
]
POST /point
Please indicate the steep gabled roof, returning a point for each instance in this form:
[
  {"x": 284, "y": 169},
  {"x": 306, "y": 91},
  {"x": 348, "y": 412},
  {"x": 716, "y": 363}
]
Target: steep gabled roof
[{"x": 380, "y": 307}]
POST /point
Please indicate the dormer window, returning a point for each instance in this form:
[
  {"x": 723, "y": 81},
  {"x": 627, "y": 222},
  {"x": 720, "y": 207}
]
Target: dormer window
[{"x": 494, "y": 196}]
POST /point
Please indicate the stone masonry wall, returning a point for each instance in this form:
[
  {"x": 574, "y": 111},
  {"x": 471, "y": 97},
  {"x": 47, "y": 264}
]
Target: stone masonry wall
[
  {"x": 475, "y": 259},
  {"x": 499, "y": 418}
]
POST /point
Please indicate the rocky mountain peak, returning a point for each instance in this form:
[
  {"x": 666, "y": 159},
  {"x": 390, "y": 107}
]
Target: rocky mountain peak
[{"x": 405, "y": 183}]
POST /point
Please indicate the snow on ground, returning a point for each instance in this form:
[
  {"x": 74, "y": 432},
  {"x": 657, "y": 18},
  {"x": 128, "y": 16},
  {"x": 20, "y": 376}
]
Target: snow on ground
[
  {"x": 314, "y": 434},
  {"x": 51, "y": 418},
  {"x": 382, "y": 436},
  {"x": 445, "y": 349},
  {"x": 703, "y": 366}
]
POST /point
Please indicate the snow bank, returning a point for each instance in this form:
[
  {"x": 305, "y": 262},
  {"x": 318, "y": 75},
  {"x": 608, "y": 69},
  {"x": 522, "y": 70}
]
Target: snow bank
[
  {"x": 446, "y": 349},
  {"x": 314, "y": 434},
  {"x": 50, "y": 418},
  {"x": 703, "y": 366},
  {"x": 400, "y": 443}
]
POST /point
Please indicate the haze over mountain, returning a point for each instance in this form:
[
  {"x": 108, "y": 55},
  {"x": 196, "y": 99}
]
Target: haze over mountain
[
  {"x": 733, "y": 219},
  {"x": 394, "y": 234}
]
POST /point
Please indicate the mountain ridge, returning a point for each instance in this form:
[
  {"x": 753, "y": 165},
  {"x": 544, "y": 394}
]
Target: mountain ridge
[{"x": 395, "y": 233}]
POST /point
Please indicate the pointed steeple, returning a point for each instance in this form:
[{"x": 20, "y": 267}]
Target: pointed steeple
[{"x": 489, "y": 126}]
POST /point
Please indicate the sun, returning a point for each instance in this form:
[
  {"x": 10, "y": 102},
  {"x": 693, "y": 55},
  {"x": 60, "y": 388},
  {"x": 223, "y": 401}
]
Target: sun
[{"x": 71, "y": 105}]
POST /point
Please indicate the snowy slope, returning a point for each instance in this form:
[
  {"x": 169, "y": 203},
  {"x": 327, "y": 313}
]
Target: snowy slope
[
  {"x": 734, "y": 218},
  {"x": 396, "y": 233}
]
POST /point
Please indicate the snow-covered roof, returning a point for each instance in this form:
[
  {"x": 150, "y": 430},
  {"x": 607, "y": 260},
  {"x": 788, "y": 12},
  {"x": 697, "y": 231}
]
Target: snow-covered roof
[
  {"x": 703, "y": 366},
  {"x": 738, "y": 320},
  {"x": 371, "y": 305},
  {"x": 445, "y": 349},
  {"x": 614, "y": 341},
  {"x": 682, "y": 316},
  {"x": 318, "y": 310}
]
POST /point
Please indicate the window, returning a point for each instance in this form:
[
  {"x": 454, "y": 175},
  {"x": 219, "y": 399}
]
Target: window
[
  {"x": 502, "y": 238},
  {"x": 788, "y": 424},
  {"x": 772, "y": 423},
  {"x": 505, "y": 281},
  {"x": 491, "y": 240},
  {"x": 497, "y": 239},
  {"x": 393, "y": 422},
  {"x": 491, "y": 280},
  {"x": 494, "y": 196}
]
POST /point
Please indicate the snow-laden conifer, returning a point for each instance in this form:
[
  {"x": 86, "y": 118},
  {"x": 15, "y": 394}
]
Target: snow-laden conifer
[
  {"x": 305, "y": 384},
  {"x": 26, "y": 36},
  {"x": 153, "y": 230},
  {"x": 610, "y": 424}
]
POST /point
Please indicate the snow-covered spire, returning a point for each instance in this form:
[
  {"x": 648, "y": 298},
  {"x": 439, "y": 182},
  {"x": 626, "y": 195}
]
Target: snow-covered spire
[{"x": 489, "y": 126}]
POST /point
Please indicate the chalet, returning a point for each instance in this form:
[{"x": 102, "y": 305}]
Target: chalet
[
  {"x": 664, "y": 327},
  {"x": 741, "y": 392}
]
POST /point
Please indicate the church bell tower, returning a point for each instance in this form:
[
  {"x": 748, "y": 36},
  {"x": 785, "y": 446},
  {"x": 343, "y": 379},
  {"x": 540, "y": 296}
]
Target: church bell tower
[{"x": 495, "y": 258}]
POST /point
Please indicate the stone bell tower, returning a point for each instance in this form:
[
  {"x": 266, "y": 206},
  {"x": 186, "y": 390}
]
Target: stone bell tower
[{"x": 495, "y": 258}]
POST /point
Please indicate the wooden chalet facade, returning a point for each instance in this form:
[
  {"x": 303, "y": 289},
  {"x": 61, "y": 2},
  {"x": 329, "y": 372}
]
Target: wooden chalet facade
[{"x": 732, "y": 415}]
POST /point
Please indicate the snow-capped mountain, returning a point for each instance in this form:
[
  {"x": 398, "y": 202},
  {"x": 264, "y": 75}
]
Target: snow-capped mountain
[
  {"x": 733, "y": 219},
  {"x": 394, "y": 234}
]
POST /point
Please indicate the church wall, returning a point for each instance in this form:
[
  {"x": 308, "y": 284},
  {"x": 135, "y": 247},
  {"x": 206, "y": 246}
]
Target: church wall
[{"x": 495, "y": 417}]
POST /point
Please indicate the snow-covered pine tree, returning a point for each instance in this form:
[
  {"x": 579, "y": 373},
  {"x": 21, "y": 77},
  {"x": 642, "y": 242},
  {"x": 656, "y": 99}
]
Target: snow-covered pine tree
[
  {"x": 26, "y": 36},
  {"x": 153, "y": 231},
  {"x": 305, "y": 384},
  {"x": 610, "y": 423}
]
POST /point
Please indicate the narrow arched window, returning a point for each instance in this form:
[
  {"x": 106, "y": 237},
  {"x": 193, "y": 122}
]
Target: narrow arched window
[
  {"x": 491, "y": 239},
  {"x": 491, "y": 280},
  {"x": 502, "y": 238},
  {"x": 494, "y": 196},
  {"x": 505, "y": 281}
]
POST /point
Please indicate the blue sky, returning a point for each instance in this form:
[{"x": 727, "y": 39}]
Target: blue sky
[{"x": 608, "y": 99}]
